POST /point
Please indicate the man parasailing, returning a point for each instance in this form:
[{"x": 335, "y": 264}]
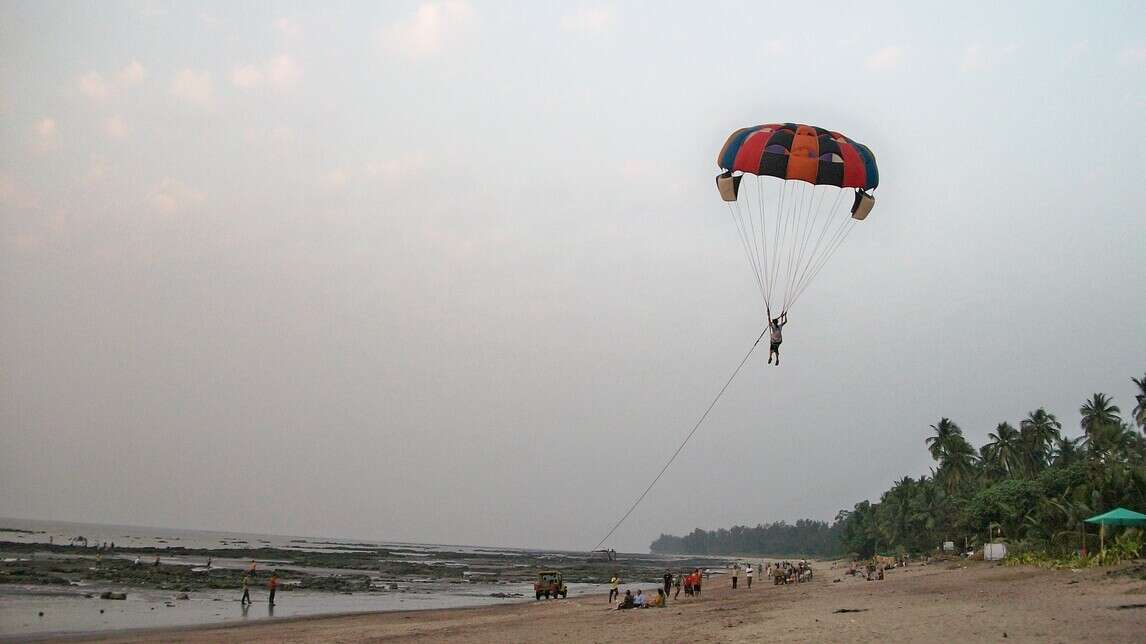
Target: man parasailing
[{"x": 775, "y": 325}]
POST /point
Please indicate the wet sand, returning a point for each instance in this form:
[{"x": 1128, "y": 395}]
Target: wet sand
[{"x": 937, "y": 603}]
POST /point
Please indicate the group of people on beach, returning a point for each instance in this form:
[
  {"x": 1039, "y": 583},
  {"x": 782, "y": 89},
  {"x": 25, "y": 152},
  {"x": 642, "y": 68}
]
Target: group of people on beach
[
  {"x": 272, "y": 585},
  {"x": 873, "y": 570},
  {"x": 781, "y": 572},
  {"x": 786, "y": 572},
  {"x": 691, "y": 582}
]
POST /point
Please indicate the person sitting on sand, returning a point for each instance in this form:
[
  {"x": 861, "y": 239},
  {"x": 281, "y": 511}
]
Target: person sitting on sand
[
  {"x": 775, "y": 326},
  {"x": 640, "y": 601},
  {"x": 626, "y": 601},
  {"x": 662, "y": 599}
]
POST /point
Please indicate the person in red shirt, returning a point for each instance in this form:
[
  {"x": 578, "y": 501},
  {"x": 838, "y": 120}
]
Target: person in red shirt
[{"x": 273, "y": 585}]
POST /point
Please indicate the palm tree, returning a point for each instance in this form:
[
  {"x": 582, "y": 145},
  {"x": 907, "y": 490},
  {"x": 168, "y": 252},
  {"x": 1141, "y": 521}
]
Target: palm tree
[
  {"x": 1140, "y": 407},
  {"x": 1067, "y": 450},
  {"x": 946, "y": 432},
  {"x": 1039, "y": 431},
  {"x": 958, "y": 464},
  {"x": 1098, "y": 411},
  {"x": 1113, "y": 442},
  {"x": 1004, "y": 451}
]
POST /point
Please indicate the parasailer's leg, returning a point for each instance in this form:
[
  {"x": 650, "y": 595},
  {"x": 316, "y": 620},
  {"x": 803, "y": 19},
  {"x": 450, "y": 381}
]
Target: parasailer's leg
[{"x": 774, "y": 350}]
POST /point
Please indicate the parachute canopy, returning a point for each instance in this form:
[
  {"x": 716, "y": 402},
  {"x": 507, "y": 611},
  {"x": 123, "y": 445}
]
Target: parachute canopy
[
  {"x": 800, "y": 152},
  {"x": 787, "y": 233}
]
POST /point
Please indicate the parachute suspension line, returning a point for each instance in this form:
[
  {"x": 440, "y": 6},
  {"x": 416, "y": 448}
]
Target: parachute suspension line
[
  {"x": 807, "y": 195},
  {"x": 763, "y": 231},
  {"x": 812, "y": 257},
  {"x": 755, "y": 245},
  {"x": 846, "y": 229},
  {"x": 804, "y": 260},
  {"x": 781, "y": 233},
  {"x": 749, "y": 237},
  {"x": 817, "y": 208},
  {"x": 834, "y": 230},
  {"x": 835, "y": 238},
  {"x": 685, "y": 442},
  {"x": 777, "y": 237},
  {"x": 827, "y": 256},
  {"x": 734, "y": 211},
  {"x": 797, "y": 220},
  {"x": 833, "y": 211}
]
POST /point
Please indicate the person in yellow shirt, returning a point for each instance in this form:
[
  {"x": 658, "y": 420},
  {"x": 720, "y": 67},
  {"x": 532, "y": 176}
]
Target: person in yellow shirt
[{"x": 613, "y": 583}]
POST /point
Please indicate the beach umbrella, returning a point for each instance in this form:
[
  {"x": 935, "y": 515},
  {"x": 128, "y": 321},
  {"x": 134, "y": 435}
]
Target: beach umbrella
[{"x": 1117, "y": 516}]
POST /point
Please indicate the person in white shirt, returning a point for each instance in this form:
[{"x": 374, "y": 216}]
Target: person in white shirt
[{"x": 775, "y": 325}]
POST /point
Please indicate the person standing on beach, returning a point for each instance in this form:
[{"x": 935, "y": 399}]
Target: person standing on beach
[
  {"x": 273, "y": 585},
  {"x": 246, "y": 591},
  {"x": 668, "y": 582},
  {"x": 254, "y": 565},
  {"x": 613, "y": 583},
  {"x": 676, "y": 583},
  {"x": 735, "y": 574},
  {"x": 748, "y": 574},
  {"x": 699, "y": 579}
]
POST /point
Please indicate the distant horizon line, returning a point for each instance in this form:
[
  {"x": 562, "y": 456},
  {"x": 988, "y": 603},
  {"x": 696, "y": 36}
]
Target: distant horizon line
[{"x": 301, "y": 536}]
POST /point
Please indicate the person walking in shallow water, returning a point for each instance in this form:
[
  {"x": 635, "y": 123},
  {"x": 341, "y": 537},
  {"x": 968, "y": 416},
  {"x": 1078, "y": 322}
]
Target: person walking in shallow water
[
  {"x": 273, "y": 585},
  {"x": 246, "y": 590}
]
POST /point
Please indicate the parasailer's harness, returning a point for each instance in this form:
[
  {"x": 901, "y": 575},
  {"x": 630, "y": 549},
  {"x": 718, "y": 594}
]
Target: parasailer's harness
[{"x": 685, "y": 442}]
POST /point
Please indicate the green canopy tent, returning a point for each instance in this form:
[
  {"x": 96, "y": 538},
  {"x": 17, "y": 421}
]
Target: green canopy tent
[{"x": 1117, "y": 516}]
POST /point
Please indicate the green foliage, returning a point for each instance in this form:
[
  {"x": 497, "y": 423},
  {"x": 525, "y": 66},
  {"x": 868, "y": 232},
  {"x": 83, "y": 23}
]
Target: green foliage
[
  {"x": 1008, "y": 504},
  {"x": 1033, "y": 484},
  {"x": 806, "y": 537}
]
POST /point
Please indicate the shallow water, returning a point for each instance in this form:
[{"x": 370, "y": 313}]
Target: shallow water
[{"x": 69, "y": 609}]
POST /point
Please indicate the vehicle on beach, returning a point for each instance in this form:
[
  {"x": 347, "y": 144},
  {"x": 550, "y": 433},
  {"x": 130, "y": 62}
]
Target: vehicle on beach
[{"x": 550, "y": 584}]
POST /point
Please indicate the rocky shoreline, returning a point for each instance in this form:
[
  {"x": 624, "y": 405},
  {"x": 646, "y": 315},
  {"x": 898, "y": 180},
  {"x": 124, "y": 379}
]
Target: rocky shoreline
[{"x": 344, "y": 568}]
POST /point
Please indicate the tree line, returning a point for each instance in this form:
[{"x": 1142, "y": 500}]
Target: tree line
[
  {"x": 1031, "y": 485},
  {"x": 807, "y": 537}
]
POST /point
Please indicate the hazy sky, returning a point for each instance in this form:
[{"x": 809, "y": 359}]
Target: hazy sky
[{"x": 458, "y": 272}]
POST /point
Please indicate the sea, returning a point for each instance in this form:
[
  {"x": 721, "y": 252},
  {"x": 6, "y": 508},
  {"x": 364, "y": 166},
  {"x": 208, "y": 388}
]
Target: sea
[{"x": 34, "y": 611}]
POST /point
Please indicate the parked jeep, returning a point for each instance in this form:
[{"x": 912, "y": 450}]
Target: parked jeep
[{"x": 550, "y": 585}]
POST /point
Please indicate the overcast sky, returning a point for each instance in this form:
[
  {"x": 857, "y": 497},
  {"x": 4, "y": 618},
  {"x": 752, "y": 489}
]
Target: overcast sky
[{"x": 458, "y": 272}]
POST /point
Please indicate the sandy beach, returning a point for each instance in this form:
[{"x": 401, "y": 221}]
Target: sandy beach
[{"x": 964, "y": 601}]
